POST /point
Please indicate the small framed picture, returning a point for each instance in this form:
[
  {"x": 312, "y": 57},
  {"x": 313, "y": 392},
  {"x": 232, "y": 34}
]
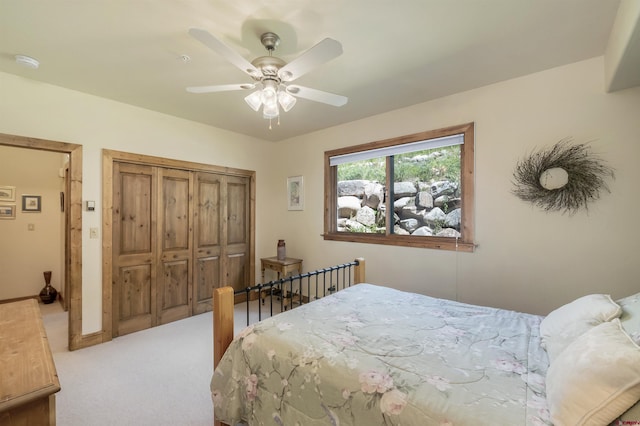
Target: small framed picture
[
  {"x": 7, "y": 193},
  {"x": 31, "y": 204},
  {"x": 8, "y": 211},
  {"x": 295, "y": 193}
]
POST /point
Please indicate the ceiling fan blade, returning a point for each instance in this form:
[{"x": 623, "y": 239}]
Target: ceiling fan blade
[
  {"x": 322, "y": 52},
  {"x": 222, "y": 49},
  {"x": 220, "y": 88},
  {"x": 317, "y": 95}
]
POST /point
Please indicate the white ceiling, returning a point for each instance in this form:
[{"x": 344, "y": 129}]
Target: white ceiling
[{"x": 396, "y": 53}]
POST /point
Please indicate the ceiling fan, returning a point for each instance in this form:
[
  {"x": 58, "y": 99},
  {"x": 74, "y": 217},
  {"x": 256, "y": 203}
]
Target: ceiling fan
[{"x": 272, "y": 76}]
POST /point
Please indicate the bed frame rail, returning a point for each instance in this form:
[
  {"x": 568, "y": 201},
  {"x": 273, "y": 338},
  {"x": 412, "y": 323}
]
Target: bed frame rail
[
  {"x": 286, "y": 293},
  {"x": 276, "y": 296}
]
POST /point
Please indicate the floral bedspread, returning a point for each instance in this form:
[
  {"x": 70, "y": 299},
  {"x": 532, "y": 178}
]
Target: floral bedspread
[{"x": 371, "y": 355}]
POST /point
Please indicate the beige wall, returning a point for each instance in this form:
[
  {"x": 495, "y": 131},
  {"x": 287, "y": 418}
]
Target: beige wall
[
  {"x": 25, "y": 254},
  {"x": 526, "y": 259}
]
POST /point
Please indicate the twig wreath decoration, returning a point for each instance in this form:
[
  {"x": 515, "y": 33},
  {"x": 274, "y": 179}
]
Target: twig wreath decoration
[{"x": 585, "y": 177}]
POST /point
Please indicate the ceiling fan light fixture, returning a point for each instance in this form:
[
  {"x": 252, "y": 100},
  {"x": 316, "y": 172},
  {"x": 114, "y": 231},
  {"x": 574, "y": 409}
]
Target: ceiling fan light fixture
[
  {"x": 286, "y": 100},
  {"x": 254, "y": 100},
  {"x": 270, "y": 111},
  {"x": 269, "y": 97}
]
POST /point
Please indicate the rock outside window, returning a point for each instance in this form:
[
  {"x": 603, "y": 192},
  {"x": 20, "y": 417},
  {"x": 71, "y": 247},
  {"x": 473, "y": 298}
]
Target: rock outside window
[{"x": 414, "y": 190}]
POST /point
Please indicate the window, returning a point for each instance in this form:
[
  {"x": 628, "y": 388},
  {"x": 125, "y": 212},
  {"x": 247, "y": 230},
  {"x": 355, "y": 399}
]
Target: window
[{"x": 415, "y": 190}]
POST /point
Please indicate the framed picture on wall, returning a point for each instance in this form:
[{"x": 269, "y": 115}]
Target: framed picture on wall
[
  {"x": 295, "y": 193},
  {"x": 7, "y": 193},
  {"x": 31, "y": 204},
  {"x": 8, "y": 211}
]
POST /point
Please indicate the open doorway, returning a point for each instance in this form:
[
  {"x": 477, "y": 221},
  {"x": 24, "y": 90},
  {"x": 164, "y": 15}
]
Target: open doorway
[
  {"x": 73, "y": 231},
  {"x": 33, "y": 197}
]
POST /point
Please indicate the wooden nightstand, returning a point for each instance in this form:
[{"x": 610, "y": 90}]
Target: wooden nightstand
[{"x": 283, "y": 269}]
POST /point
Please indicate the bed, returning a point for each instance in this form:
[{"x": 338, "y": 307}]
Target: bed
[{"x": 372, "y": 355}]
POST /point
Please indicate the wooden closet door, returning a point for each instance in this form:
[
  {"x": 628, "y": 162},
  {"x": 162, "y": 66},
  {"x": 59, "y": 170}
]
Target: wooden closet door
[
  {"x": 175, "y": 249},
  {"x": 237, "y": 227},
  {"x": 134, "y": 245},
  {"x": 221, "y": 235},
  {"x": 177, "y": 234},
  {"x": 207, "y": 238}
]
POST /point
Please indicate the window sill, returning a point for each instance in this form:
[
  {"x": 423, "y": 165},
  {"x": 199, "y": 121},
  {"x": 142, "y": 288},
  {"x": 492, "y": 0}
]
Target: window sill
[{"x": 437, "y": 243}]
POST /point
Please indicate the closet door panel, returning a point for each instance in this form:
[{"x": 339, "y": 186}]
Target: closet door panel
[
  {"x": 175, "y": 292},
  {"x": 237, "y": 209},
  {"x": 175, "y": 251},
  {"x": 236, "y": 271},
  {"x": 134, "y": 240},
  {"x": 208, "y": 274},
  {"x": 207, "y": 211},
  {"x": 135, "y": 298},
  {"x": 136, "y": 220},
  {"x": 237, "y": 191},
  {"x": 207, "y": 237}
]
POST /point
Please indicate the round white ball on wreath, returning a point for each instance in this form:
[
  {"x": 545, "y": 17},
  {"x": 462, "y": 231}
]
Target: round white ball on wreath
[{"x": 565, "y": 177}]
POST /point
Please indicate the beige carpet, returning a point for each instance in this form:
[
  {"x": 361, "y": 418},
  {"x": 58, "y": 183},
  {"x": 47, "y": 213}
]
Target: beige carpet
[{"x": 158, "y": 376}]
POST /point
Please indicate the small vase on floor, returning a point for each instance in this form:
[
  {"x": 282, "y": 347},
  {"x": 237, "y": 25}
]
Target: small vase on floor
[{"x": 48, "y": 294}]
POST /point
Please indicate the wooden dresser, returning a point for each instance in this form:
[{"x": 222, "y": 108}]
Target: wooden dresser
[{"x": 28, "y": 378}]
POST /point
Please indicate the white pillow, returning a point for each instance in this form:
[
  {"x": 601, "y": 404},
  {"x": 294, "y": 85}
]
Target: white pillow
[
  {"x": 565, "y": 324},
  {"x": 596, "y": 378},
  {"x": 630, "y": 318}
]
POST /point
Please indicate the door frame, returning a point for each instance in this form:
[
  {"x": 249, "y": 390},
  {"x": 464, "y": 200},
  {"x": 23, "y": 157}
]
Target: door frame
[
  {"x": 73, "y": 254},
  {"x": 111, "y": 156}
]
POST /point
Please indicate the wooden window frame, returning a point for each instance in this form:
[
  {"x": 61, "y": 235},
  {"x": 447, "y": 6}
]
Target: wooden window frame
[{"x": 464, "y": 243}]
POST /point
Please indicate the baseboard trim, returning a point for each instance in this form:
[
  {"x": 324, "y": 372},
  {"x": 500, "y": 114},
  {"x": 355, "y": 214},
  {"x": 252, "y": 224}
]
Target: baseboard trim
[
  {"x": 17, "y": 299},
  {"x": 86, "y": 340}
]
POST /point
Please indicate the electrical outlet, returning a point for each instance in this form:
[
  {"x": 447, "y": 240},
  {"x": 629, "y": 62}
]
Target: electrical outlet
[{"x": 93, "y": 233}]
